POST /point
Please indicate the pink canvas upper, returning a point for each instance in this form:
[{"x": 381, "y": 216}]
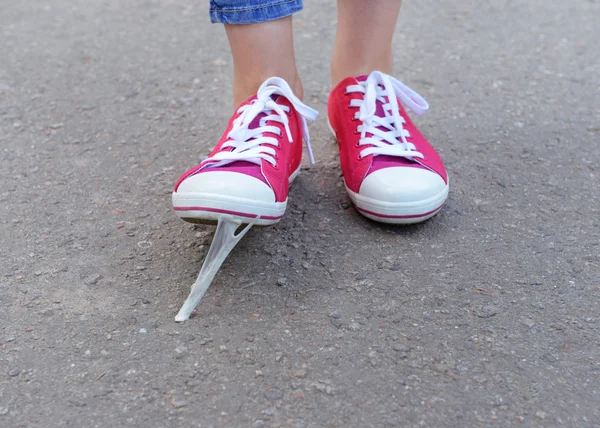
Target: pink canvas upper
[
  {"x": 355, "y": 168},
  {"x": 289, "y": 155}
]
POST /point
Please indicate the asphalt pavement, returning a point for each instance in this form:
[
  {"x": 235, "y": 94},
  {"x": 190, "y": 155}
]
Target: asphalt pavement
[{"x": 486, "y": 315}]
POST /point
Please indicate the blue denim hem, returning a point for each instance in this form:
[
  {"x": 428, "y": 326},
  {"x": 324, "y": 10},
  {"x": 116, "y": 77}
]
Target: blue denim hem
[{"x": 250, "y": 14}]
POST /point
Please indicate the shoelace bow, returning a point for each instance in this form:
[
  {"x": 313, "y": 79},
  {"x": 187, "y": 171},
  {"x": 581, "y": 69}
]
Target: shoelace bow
[
  {"x": 251, "y": 145},
  {"x": 387, "y": 133}
]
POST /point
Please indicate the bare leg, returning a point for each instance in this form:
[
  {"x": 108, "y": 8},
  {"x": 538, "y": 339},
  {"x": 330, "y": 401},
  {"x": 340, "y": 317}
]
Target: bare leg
[
  {"x": 363, "y": 40},
  {"x": 261, "y": 51}
]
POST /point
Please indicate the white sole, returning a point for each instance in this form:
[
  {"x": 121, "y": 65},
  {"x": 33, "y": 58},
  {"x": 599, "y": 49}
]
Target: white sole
[
  {"x": 397, "y": 212},
  {"x": 205, "y": 207}
]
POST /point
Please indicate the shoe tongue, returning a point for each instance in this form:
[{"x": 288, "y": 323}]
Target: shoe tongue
[
  {"x": 256, "y": 121},
  {"x": 245, "y": 167},
  {"x": 385, "y": 161},
  {"x": 379, "y": 110},
  {"x": 378, "y": 106}
]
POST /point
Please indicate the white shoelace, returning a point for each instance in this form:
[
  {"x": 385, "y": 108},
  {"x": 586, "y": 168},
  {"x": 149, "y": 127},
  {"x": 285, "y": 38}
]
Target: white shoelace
[
  {"x": 251, "y": 145},
  {"x": 388, "y": 136}
]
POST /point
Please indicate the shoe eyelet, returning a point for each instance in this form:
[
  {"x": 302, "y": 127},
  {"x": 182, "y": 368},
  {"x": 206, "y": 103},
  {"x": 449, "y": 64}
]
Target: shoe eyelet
[{"x": 356, "y": 131}]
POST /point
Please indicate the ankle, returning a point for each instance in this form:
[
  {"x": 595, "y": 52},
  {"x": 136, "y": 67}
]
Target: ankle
[
  {"x": 343, "y": 67},
  {"x": 298, "y": 88},
  {"x": 244, "y": 88}
]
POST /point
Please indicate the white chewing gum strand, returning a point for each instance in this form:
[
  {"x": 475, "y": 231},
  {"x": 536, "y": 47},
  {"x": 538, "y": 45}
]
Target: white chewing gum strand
[{"x": 223, "y": 242}]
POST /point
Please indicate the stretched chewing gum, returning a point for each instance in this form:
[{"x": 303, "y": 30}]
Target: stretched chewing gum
[{"x": 223, "y": 242}]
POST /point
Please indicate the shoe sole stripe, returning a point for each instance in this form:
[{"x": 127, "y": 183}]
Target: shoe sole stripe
[
  {"x": 222, "y": 211},
  {"x": 399, "y": 216}
]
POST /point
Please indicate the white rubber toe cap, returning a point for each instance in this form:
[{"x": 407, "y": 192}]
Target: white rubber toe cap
[
  {"x": 227, "y": 183},
  {"x": 402, "y": 185}
]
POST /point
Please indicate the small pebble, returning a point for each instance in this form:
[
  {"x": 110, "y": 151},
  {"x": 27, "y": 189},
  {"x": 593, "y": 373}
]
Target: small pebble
[
  {"x": 15, "y": 371},
  {"x": 336, "y": 322},
  {"x": 323, "y": 387},
  {"x": 399, "y": 347},
  {"x": 528, "y": 322},
  {"x": 144, "y": 244},
  {"x": 480, "y": 379},
  {"x": 300, "y": 373},
  {"x": 273, "y": 395},
  {"x": 93, "y": 279},
  {"x": 355, "y": 326},
  {"x": 178, "y": 402},
  {"x": 487, "y": 311},
  {"x": 292, "y": 303}
]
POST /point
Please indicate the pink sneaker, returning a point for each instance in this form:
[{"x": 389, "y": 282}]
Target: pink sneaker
[
  {"x": 248, "y": 173},
  {"x": 392, "y": 173}
]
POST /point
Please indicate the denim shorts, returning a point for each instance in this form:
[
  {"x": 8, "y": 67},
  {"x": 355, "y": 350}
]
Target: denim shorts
[{"x": 251, "y": 11}]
